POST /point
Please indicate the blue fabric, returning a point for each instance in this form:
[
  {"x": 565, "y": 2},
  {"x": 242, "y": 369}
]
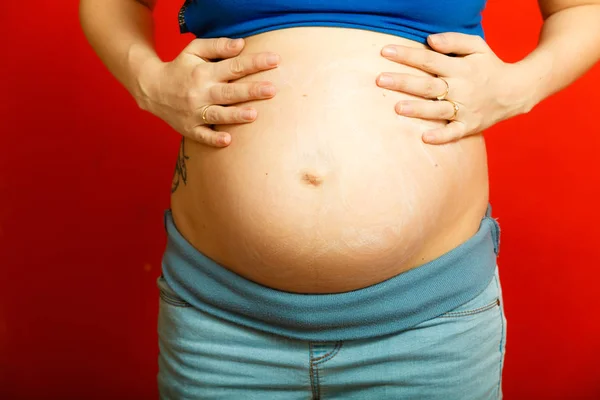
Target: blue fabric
[
  {"x": 458, "y": 355},
  {"x": 393, "y": 305},
  {"x": 411, "y": 19}
]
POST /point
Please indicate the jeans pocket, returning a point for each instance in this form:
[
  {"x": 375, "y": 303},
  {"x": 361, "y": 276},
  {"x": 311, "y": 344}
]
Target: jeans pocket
[
  {"x": 486, "y": 301},
  {"x": 168, "y": 295}
]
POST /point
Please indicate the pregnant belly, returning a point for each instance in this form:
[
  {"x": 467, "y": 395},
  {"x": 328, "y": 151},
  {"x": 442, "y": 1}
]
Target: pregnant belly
[{"x": 329, "y": 190}]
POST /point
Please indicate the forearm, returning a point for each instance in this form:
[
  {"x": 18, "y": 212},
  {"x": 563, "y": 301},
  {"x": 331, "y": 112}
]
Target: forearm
[
  {"x": 568, "y": 46},
  {"x": 121, "y": 33}
]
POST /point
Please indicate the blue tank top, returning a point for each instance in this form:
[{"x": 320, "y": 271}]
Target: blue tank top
[{"x": 412, "y": 19}]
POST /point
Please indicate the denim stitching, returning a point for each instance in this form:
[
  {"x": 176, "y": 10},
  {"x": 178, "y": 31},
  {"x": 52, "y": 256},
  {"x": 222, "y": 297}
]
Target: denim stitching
[
  {"x": 318, "y": 385},
  {"x": 314, "y": 374},
  {"x": 176, "y": 304},
  {"x": 314, "y": 366},
  {"x": 496, "y": 236},
  {"x": 330, "y": 355},
  {"x": 502, "y": 354},
  {"x": 471, "y": 312},
  {"x": 324, "y": 355},
  {"x": 173, "y": 301}
]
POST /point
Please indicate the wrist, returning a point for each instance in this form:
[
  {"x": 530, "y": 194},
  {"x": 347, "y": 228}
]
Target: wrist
[
  {"x": 144, "y": 64},
  {"x": 528, "y": 81}
]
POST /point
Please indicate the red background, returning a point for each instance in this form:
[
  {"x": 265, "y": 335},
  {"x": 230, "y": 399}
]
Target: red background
[{"x": 85, "y": 177}]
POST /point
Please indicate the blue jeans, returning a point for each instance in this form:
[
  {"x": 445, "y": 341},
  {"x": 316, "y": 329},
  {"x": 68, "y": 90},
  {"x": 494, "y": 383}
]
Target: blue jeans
[{"x": 437, "y": 331}]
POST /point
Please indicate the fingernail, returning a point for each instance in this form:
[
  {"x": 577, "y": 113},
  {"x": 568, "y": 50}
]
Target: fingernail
[
  {"x": 273, "y": 59},
  {"x": 233, "y": 43},
  {"x": 249, "y": 114},
  {"x": 267, "y": 90},
  {"x": 404, "y": 108},
  {"x": 429, "y": 137},
  {"x": 385, "y": 80},
  {"x": 437, "y": 38},
  {"x": 389, "y": 51}
]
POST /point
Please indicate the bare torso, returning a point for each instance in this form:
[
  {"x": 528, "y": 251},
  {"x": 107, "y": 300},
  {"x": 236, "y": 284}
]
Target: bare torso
[{"x": 329, "y": 190}]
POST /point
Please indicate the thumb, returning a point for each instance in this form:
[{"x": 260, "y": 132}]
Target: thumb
[
  {"x": 457, "y": 43},
  {"x": 219, "y": 48}
]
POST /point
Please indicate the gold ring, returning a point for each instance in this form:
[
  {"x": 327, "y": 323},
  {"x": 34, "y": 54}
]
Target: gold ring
[
  {"x": 204, "y": 108},
  {"x": 456, "y": 109},
  {"x": 443, "y": 97}
]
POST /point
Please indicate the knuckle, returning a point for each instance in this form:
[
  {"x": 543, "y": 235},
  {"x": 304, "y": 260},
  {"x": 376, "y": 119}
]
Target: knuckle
[
  {"x": 428, "y": 61},
  {"x": 213, "y": 115},
  {"x": 213, "y": 139},
  {"x": 239, "y": 115},
  {"x": 191, "y": 99},
  {"x": 200, "y": 135},
  {"x": 429, "y": 89},
  {"x": 199, "y": 73},
  {"x": 259, "y": 60},
  {"x": 189, "y": 130},
  {"x": 220, "y": 45},
  {"x": 215, "y": 93},
  {"x": 236, "y": 66},
  {"x": 227, "y": 92},
  {"x": 255, "y": 90}
]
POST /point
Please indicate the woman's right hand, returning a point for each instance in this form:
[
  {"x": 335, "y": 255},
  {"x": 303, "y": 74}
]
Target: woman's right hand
[{"x": 177, "y": 91}]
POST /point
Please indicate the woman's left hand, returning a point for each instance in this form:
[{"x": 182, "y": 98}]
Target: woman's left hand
[{"x": 477, "y": 80}]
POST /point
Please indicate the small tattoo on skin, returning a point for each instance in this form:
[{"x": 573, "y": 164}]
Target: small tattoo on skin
[{"x": 180, "y": 168}]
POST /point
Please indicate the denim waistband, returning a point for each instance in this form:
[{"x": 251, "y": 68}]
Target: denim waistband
[{"x": 393, "y": 305}]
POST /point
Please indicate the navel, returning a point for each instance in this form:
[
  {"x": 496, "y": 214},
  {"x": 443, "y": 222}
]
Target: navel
[{"x": 311, "y": 179}]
